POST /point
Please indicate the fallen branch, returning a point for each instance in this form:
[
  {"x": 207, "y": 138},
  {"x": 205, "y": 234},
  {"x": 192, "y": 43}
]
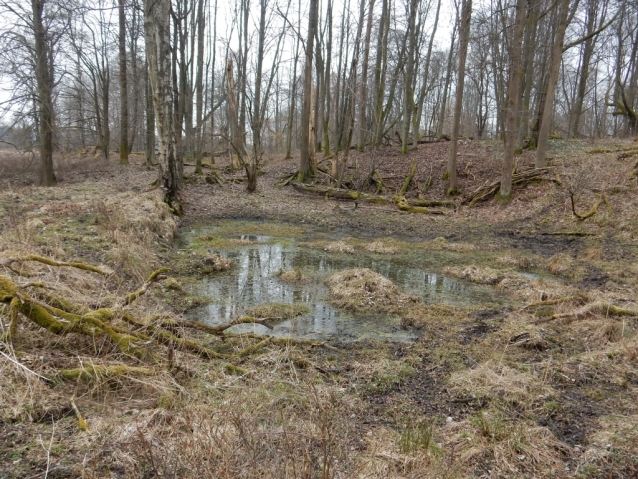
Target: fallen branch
[
  {"x": 408, "y": 180},
  {"x": 522, "y": 178},
  {"x": 551, "y": 302},
  {"x": 40, "y": 259},
  {"x": 155, "y": 276},
  {"x": 590, "y": 213},
  {"x": 340, "y": 193},
  {"x": 91, "y": 372}
]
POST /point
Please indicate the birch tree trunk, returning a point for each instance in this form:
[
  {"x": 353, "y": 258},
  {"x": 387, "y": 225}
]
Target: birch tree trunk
[{"x": 158, "y": 55}]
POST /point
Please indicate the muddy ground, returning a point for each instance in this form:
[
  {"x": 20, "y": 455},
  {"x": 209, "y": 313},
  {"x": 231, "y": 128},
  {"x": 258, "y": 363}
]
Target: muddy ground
[{"x": 546, "y": 387}]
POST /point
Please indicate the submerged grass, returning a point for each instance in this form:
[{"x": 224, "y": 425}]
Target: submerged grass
[{"x": 278, "y": 311}]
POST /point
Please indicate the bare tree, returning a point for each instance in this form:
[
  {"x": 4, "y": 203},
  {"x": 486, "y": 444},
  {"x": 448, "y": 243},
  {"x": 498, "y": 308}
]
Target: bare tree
[
  {"x": 548, "y": 106},
  {"x": 306, "y": 167},
  {"x": 514, "y": 81},
  {"x": 464, "y": 36},
  {"x": 124, "y": 147}
]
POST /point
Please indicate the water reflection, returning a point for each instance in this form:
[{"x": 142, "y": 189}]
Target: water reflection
[{"x": 254, "y": 281}]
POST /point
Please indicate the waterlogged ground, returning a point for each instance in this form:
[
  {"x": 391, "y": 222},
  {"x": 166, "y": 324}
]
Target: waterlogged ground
[
  {"x": 258, "y": 259},
  {"x": 524, "y": 366}
]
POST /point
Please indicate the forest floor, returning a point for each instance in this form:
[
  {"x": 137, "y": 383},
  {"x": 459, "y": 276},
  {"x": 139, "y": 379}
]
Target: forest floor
[{"x": 546, "y": 387}]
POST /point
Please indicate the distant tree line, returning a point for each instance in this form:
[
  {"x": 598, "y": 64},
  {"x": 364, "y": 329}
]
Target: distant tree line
[{"x": 185, "y": 79}]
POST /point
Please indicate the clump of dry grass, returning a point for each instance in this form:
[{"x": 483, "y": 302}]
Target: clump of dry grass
[
  {"x": 498, "y": 382},
  {"x": 218, "y": 263},
  {"x": 278, "y": 311},
  {"x": 522, "y": 449},
  {"x": 440, "y": 243},
  {"x": 476, "y": 274},
  {"x": 339, "y": 247},
  {"x": 562, "y": 264},
  {"x": 521, "y": 261},
  {"x": 292, "y": 276},
  {"x": 361, "y": 289},
  {"x": 379, "y": 247},
  {"x": 592, "y": 254},
  {"x": 611, "y": 450}
]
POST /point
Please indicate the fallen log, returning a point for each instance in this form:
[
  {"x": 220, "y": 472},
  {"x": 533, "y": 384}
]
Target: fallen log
[{"x": 340, "y": 193}]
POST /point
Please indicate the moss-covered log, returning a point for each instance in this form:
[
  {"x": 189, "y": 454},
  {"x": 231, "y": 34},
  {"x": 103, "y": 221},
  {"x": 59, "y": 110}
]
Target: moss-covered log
[
  {"x": 404, "y": 205},
  {"x": 155, "y": 276},
  {"x": 50, "y": 262},
  {"x": 340, "y": 193},
  {"x": 91, "y": 372},
  {"x": 593, "y": 210}
]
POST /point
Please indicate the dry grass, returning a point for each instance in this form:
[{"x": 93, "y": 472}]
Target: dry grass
[
  {"x": 292, "y": 276},
  {"x": 361, "y": 289},
  {"x": 279, "y": 311},
  {"x": 379, "y": 247},
  {"x": 339, "y": 247},
  {"x": 476, "y": 274},
  {"x": 501, "y": 383}
]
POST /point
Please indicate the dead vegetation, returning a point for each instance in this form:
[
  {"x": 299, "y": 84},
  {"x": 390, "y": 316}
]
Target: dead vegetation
[
  {"x": 542, "y": 387},
  {"x": 361, "y": 289}
]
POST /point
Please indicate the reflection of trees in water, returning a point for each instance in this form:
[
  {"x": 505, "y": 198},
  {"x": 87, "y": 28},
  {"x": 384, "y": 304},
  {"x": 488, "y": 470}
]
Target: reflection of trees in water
[{"x": 254, "y": 281}]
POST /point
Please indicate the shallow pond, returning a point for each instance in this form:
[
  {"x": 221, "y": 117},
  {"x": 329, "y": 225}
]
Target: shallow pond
[{"x": 254, "y": 281}]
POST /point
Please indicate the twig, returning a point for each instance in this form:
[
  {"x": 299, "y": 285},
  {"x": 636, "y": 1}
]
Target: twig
[{"x": 24, "y": 367}]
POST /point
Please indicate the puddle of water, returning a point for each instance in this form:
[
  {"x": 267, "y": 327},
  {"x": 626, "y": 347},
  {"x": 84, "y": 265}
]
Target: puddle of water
[{"x": 253, "y": 281}]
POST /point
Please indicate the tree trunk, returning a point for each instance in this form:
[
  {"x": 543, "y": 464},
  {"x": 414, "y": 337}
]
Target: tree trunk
[
  {"x": 236, "y": 137},
  {"x": 446, "y": 86},
  {"x": 44, "y": 79},
  {"x": 158, "y": 54},
  {"x": 363, "y": 90},
  {"x": 512, "y": 123},
  {"x": 548, "y": 109},
  {"x": 306, "y": 167},
  {"x": 464, "y": 36},
  {"x": 408, "y": 94},
  {"x": 531, "y": 24},
  {"x": 124, "y": 147},
  {"x": 380, "y": 70},
  {"x": 199, "y": 87},
  {"x": 150, "y": 121}
]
